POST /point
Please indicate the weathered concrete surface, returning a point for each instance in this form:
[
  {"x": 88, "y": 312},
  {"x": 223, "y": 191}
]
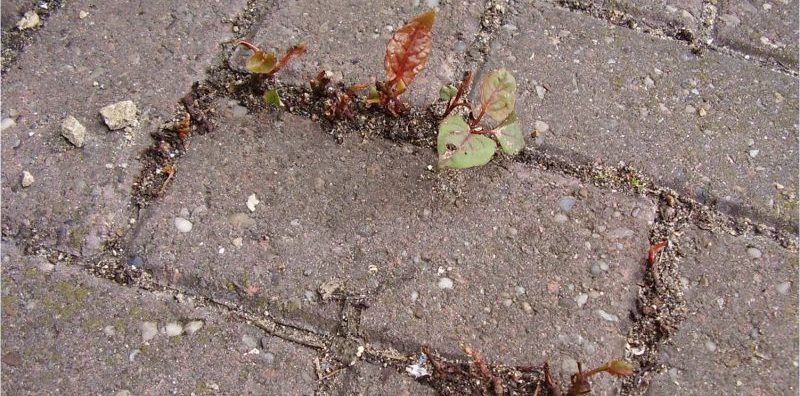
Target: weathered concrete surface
[
  {"x": 65, "y": 332},
  {"x": 768, "y": 29},
  {"x": 77, "y": 66},
  {"x": 350, "y": 38},
  {"x": 370, "y": 215},
  {"x": 666, "y": 15},
  {"x": 368, "y": 379},
  {"x": 740, "y": 336},
  {"x": 719, "y": 129}
]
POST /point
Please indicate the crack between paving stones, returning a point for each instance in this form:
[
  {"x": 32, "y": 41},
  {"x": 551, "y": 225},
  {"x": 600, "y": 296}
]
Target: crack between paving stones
[
  {"x": 659, "y": 307},
  {"x": 698, "y": 42}
]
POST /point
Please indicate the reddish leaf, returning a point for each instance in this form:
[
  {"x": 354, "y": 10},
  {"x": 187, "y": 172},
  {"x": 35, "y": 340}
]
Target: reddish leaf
[
  {"x": 408, "y": 50},
  {"x": 290, "y": 54},
  {"x": 653, "y": 251}
]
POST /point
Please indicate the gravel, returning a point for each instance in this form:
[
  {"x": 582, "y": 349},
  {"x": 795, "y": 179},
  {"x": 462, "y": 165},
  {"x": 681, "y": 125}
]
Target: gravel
[
  {"x": 73, "y": 131},
  {"x": 149, "y": 330},
  {"x": 566, "y": 203},
  {"x": 445, "y": 283},
  {"x": 754, "y": 252},
  {"x": 27, "y": 179},
  {"x": 581, "y": 299},
  {"x": 607, "y": 316},
  {"x": 560, "y": 218},
  {"x": 193, "y": 326},
  {"x": 182, "y": 224},
  {"x": 252, "y": 201},
  {"x": 783, "y": 288},
  {"x": 173, "y": 329},
  {"x": 119, "y": 115}
]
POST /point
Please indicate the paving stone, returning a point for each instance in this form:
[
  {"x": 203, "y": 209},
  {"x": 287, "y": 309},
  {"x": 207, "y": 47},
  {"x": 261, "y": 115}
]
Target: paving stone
[
  {"x": 372, "y": 216},
  {"x": 610, "y": 94},
  {"x": 740, "y": 335},
  {"x": 65, "y": 332},
  {"x": 147, "y": 53},
  {"x": 768, "y": 29},
  {"x": 350, "y": 40}
]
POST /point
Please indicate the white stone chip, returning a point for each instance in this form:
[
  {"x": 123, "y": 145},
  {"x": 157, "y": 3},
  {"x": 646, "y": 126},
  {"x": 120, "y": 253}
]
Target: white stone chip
[
  {"x": 193, "y": 326},
  {"x": 72, "y": 129},
  {"x": 119, "y": 115},
  {"x": 29, "y": 21},
  {"x": 27, "y": 179},
  {"x": 252, "y": 201},
  {"x": 182, "y": 224}
]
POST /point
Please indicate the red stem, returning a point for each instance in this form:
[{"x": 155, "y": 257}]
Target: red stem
[{"x": 249, "y": 45}]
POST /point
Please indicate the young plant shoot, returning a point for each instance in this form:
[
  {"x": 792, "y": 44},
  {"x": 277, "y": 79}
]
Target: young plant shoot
[
  {"x": 463, "y": 144},
  {"x": 407, "y": 53}
]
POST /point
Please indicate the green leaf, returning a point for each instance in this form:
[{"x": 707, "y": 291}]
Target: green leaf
[
  {"x": 447, "y": 92},
  {"x": 261, "y": 62},
  {"x": 498, "y": 94},
  {"x": 458, "y": 148},
  {"x": 510, "y": 136},
  {"x": 271, "y": 98},
  {"x": 373, "y": 96}
]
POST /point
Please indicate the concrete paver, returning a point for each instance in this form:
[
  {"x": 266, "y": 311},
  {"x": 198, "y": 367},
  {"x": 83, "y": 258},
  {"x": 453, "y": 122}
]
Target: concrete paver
[
  {"x": 350, "y": 38},
  {"x": 66, "y": 332},
  {"x": 768, "y": 29},
  {"x": 77, "y": 66},
  {"x": 740, "y": 335},
  {"x": 715, "y": 128},
  {"x": 372, "y": 216}
]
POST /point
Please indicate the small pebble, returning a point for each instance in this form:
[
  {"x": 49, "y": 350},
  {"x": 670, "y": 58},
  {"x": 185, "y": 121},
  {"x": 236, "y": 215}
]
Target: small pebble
[
  {"x": 560, "y": 218},
  {"x": 6, "y": 123},
  {"x": 252, "y": 201},
  {"x": 193, "y": 326},
  {"x": 519, "y": 290},
  {"x": 541, "y": 126},
  {"x": 29, "y": 21},
  {"x": 414, "y": 296},
  {"x": 753, "y": 153},
  {"x": 119, "y": 115},
  {"x": 507, "y": 302},
  {"x": 182, "y": 224},
  {"x": 581, "y": 299},
  {"x": 566, "y": 203},
  {"x": 527, "y": 307},
  {"x": 173, "y": 329},
  {"x": 596, "y": 269},
  {"x": 783, "y": 288},
  {"x": 27, "y": 179},
  {"x": 268, "y": 357},
  {"x": 249, "y": 341},
  {"x": 73, "y": 131},
  {"x": 237, "y": 242},
  {"x": 83, "y": 14},
  {"x": 109, "y": 331},
  {"x": 445, "y": 283},
  {"x": 754, "y": 252},
  {"x": 149, "y": 330},
  {"x": 711, "y": 346},
  {"x": 607, "y": 316}
]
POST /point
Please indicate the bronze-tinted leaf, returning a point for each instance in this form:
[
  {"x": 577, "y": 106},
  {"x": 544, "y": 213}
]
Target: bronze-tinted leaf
[
  {"x": 408, "y": 50},
  {"x": 261, "y": 62},
  {"x": 290, "y": 54},
  {"x": 498, "y": 94}
]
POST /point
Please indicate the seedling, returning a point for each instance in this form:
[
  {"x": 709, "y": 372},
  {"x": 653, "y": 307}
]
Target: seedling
[
  {"x": 464, "y": 145},
  {"x": 407, "y": 53},
  {"x": 579, "y": 382},
  {"x": 266, "y": 63}
]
